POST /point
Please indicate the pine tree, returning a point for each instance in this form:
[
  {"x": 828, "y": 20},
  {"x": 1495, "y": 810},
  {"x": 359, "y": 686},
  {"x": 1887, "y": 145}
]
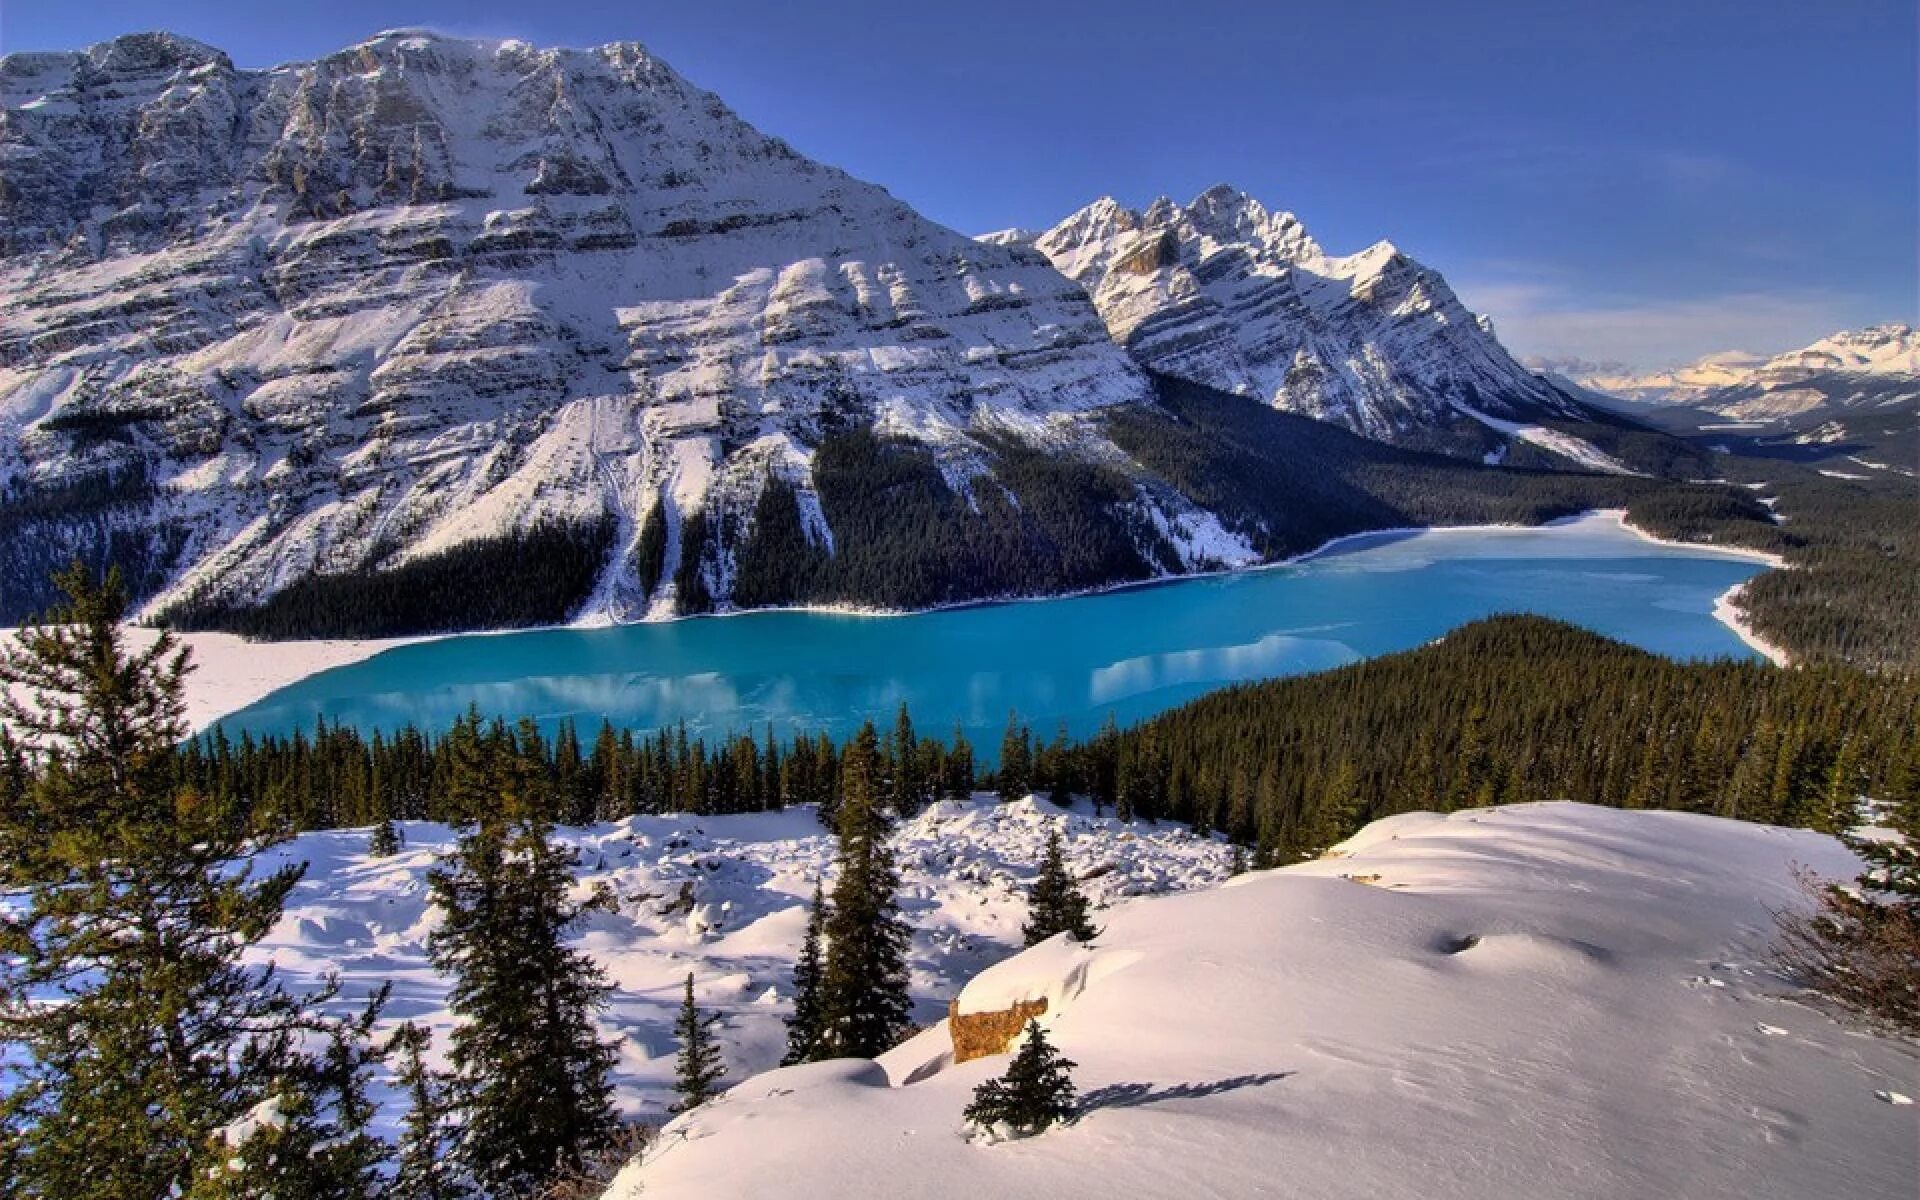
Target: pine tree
[
  {"x": 529, "y": 1086},
  {"x": 803, "y": 1027},
  {"x": 133, "y": 1033},
  {"x": 1240, "y": 864},
  {"x": 863, "y": 990},
  {"x": 425, "y": 1169},
  {"x": 957, "y": 781},
  {"x": 1055, "y": 904},
  {"x": 1016, "y": 760},
  {"x": 699, "y": 1069},
  {"x": 903, "y": 750},
  {"x": 1036, "y": 1092},
  {"x": 385, "y": 840}
]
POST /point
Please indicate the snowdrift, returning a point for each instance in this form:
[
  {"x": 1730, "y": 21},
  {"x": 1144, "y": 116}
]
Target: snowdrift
[{"x": 1544, "y": 1000}]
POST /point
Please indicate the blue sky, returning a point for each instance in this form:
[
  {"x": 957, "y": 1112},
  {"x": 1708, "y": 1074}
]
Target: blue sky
[{"x": 1618, "y": 180}]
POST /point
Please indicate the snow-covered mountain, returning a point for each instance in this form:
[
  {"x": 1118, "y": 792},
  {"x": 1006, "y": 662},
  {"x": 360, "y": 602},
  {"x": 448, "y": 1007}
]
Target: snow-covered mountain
[
  {"x": 1225, "y": 293},
  {"x": 346, "y": 313},
  {"x": 1496, "y": 1004},
  {"x": 1858, "y": 369}
]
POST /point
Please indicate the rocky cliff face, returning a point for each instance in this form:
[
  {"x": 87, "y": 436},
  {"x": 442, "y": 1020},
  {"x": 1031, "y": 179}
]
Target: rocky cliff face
[
  {"x": 343, "y": 314},
  {"x": 1224, "y": 293}
]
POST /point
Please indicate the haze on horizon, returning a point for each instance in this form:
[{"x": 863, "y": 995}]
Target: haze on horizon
[{"x": 1643, "y": 184}]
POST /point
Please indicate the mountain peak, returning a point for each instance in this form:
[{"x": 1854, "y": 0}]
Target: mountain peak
[
  {"x": 154, "y": 52},
  {"x": 1226, "y": 293}
]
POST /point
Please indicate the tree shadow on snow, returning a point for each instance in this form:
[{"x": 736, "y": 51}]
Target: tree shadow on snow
[{"x": 1133, "y": 1095}]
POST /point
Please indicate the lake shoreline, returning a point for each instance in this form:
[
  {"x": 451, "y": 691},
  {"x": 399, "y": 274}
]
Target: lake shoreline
[{"x": 233, "y": 673}]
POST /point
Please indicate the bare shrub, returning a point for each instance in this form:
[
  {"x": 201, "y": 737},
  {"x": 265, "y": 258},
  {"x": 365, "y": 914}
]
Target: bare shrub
[
  {"x": 1856, "y": 946},
  {"x": 591, "y": 1180}
]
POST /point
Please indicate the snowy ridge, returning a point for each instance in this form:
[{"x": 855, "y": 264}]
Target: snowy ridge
[
  {"x": 1225, "y": 293},
  {"x": 427, "y": 289},
  {"x": 1876, "y": 367},
  {"x": 1498, "y": 1004},
  {"x": 725, "y": 898}
]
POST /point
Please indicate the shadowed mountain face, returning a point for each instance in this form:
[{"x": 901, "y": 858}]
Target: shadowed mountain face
[
  {"x": 1224, "y": 293},
  {"x": 345, "y": 314}
]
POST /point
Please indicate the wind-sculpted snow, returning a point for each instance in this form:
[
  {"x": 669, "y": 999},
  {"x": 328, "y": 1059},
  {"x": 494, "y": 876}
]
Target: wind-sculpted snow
[
  {"x": 724, "y": 898},
  {"x": 424, "y": 290},
  {"x": 1496, "y": 1004},
  {"x": 1224, "y": 293}
]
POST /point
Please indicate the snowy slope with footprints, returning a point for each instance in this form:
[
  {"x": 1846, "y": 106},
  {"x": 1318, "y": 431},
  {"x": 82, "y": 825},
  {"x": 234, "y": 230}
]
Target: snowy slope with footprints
[{"x": 1543, "y": 1000}]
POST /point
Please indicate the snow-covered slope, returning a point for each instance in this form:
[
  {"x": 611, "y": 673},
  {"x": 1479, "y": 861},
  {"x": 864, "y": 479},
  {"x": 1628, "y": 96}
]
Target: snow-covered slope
[
  {"x": 426, "y": 290},
  {"x": 1225, "y": 293},
  {"x": 1545, "y": 1000},
  {"x": 723, "y": 898}
]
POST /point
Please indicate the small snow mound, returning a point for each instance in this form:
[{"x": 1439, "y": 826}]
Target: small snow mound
[
  {"x": 1054, "y": 971},
  {"x": 1524, "y": 951}
]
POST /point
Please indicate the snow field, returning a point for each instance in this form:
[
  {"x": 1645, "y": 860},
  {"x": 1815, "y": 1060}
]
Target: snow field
[{"x": 1542, "y": 1000}]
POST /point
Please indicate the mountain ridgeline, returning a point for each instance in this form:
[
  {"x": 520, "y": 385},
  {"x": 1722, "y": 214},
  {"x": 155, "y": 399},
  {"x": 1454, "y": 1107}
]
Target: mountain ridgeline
[{"x": 435, "y": 333}]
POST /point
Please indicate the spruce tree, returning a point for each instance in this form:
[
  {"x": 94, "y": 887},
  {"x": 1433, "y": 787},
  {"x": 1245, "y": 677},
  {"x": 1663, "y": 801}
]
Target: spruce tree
[
  {"x": 1055, "y": 903},
  {"x": 424, "y": 1169},
  {"x": 529, "y": 1087},
  {"x": 863, "y": 990},
  {"x": 1036, "y": 1092},
  {"x": 1016, "y": 760},
  {"x": 137, "y": 1042},
  {"x": 385, "y": 840},
  {"x": 803, "y": 1027},
  {"x": 903, "y": 752},
  {"x": 699, "y": 1069},
  {"x": 957, "y": 781}
]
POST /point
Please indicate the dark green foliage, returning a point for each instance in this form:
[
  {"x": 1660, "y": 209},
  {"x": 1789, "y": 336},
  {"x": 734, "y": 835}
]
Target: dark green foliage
[
  {"x": 132, "y": 1031},
  {"x": 650, "y": 552},
  {"x": 689, "y": 577},
  {"x": 863, "y": 990},
  {"x": 779, "y": 563},
  {"x": 529, "y": 1085},
  {"x": 1036, "y": 1092},
  {"x": 1014, "y": 779},
  {"x": 803, "y": 1027},
  {"x": 1055, "y": 903},
  {"x": 99, "y": 520},
  {"x": 904, "y": 538},
  {"x": 1289, "y": 483},
  {"x": 1546, "y": 712},
  {"x": 956, "y": 767},
  {"x": 385, "y": 839},
  {"x": 534, "y": 577},
  {"x": 698, "y": 1070},
  {"x": 1853, "y": 593},
  {"x": 425, "y": 1168},
  {"x": 1516, "y": 709}
]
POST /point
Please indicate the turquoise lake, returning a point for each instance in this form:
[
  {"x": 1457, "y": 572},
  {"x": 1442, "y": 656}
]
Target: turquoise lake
[{"x": 1130, "y": 653}]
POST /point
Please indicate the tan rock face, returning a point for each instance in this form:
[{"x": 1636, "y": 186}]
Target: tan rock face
[{"x": 977, "y": 1035}]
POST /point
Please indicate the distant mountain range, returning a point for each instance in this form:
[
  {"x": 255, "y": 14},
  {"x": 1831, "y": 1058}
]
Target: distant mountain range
[
  {"x": 1850, "y": 369},
  {"x": 445, "y": 332},
  {"x": 1854, "y": 390}
]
